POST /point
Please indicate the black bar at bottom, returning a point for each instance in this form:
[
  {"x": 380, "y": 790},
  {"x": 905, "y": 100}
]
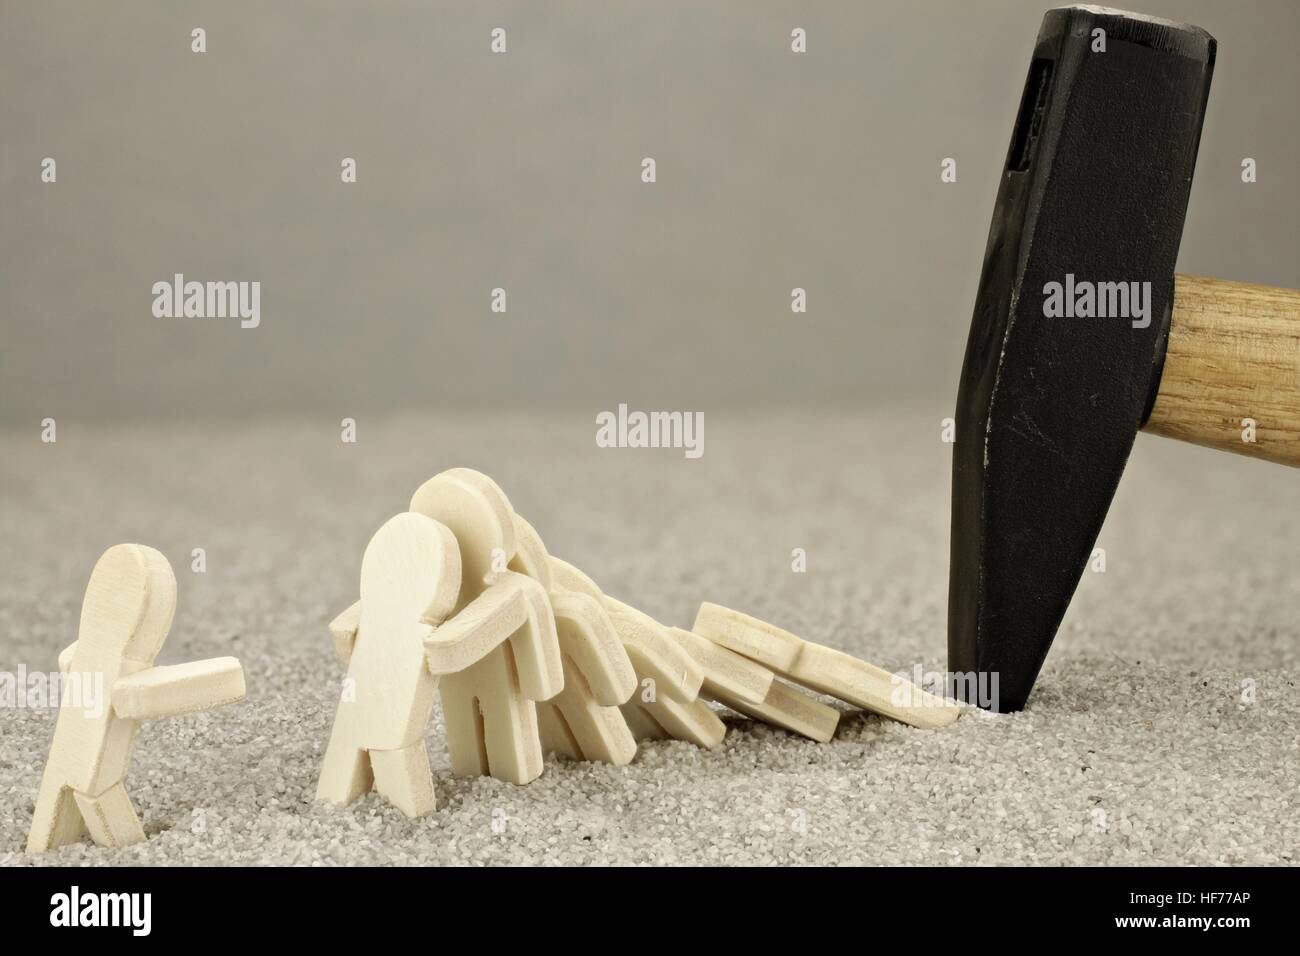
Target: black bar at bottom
[{"x": 946, "y": 906}]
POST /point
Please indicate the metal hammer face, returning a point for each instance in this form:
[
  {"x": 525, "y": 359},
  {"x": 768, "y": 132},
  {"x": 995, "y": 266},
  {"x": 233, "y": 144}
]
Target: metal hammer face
[{"x": 1092, "y": 202}]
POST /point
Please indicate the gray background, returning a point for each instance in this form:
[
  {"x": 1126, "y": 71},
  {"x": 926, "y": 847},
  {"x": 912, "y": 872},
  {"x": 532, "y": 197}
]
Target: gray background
[{"x": 522, "y": 171}]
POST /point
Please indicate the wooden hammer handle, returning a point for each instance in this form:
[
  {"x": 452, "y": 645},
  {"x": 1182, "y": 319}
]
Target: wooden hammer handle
[{"x": 1233, "y": 360}]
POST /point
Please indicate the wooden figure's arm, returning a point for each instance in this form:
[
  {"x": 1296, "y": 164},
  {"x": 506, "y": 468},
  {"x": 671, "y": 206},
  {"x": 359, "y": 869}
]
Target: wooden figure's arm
[
  {"x": 655, "y": 654},
  {"x": 485, "y": 622},
  {"x": 343, "y": 629},
  {"x": 65, "y": 657},
  {"x": 749, "y": 688},
  {"x": 674, "y": 707},
  {"x": 566, "y": 576},
  {"x": 785, "y": 706},
  {"x": 652, "y": 650},
  {"x": 766, "y": 643},
  {"x": 591, "y": 641},
  {"x": 735, "y": 675},
  {"x": 178, "y": 689},
  {"x": 824, "y": 669},
  {"x": 537, "y": 644},
  {"x": 515, "y": 607}
]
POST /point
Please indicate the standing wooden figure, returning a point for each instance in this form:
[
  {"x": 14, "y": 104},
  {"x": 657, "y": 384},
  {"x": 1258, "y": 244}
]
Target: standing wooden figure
[
  {"x": 410, "y": 578},
  {"x": 489, "y": 707},
  {"x": 125, "y": 618}
]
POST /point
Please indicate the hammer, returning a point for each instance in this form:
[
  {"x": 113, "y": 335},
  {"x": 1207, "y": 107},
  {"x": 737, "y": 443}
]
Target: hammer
[{"x": 1082, "y": 335}]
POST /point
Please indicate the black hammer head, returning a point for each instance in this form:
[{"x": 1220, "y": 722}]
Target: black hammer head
[{"x": 1068, "y": 337}]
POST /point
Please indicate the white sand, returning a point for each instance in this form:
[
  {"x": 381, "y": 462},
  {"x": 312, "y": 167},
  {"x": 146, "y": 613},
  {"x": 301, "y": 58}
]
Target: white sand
[{"x": 1137, "y": 748}]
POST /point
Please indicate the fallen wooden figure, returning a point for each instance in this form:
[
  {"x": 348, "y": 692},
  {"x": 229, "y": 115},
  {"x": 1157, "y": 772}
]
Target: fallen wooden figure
[
  {"x": 460, "y": 595},
  {"x": 823, "y": 669}
]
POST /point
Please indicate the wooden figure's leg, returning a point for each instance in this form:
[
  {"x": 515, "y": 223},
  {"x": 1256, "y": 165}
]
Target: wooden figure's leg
[
  {"x": 695, "y": 722},
  {"x": 655, "y": 655},
  {"x": 460, "y": 712},
  {"x": 600, "y": 733},
  {"x": 491, "y": 726},
  {"x": 345, "y": 772},
  {"x": 109, "y": 817},
  {"x": 789, "y": 708},
  {"x": 404, "y": 778},
  {"x": 823, "y": 669},
  {"x": 57, "y": 821},
  {"x": 640, "y": 723},
  {"x": 514, "y": 751},
  {"x": 554, "y": 731},
  {"x": 536, "y": 648}
]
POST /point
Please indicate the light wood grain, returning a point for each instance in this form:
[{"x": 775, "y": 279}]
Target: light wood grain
[
  {"x": 499, "y": 612},
  {"x": 490, "y": 707},
  {"x": 666, "y": 702},
  {"x": 823, "y": 668},
  {"x": 343, "y": 629},
  {"x": 726, "y": 671},
  {"x": 410, "y": 581},
  {"x": 125, "y": 618},
  {"x": 404, "y": 778},
  {"x": 1234, "y": 354},
  {"x": 179, "y": 689},
  {"x": 583, "y": 721},
  {"x": 789, "y": 708},
  {"x": 749, "y": 688},
  {"x": 591, "y": 642},
  {"x": 486, "y": 636}
]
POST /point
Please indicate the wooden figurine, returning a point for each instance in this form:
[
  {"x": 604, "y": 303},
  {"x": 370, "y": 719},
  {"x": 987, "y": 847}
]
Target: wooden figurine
[
  {"x": 666, "y": 703},
  {"x": 490, "y": 705},
  {"x": 410, "y": 581},
  {"x": 751, "y": 689},
  {"x": 582, "y": 722},
  {"x": 125, "y": 618},
  {"x": 823, "y": 669}
]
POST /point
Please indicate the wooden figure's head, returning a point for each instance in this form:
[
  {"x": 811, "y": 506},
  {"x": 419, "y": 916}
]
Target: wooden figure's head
[
  {"x": 531, "y": 557},
  {"x": 129, "y": 604},
  {"x": 410, "y": 573},
  {"x": 570, "y": 578},
  {"x": 479, "y": 515}
]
